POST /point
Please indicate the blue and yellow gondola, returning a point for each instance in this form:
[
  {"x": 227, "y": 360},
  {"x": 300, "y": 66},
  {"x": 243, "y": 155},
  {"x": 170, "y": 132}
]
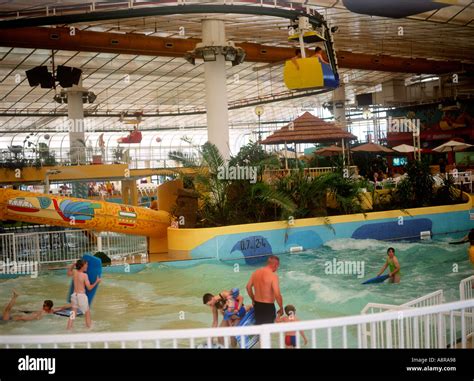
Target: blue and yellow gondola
[{"x": 312, "y": 74}]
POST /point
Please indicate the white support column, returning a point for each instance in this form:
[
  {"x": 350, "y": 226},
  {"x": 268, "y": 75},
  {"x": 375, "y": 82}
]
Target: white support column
[
  {"x": 213, "y": 34},
  {"x": 77, "y": 138},
  {"x": 339, "y": 105},
  {"x": 75, "y": 112}
]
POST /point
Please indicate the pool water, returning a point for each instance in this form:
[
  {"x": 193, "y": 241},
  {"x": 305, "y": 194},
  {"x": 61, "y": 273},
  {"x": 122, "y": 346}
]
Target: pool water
[{"x": 163, "y": 296}]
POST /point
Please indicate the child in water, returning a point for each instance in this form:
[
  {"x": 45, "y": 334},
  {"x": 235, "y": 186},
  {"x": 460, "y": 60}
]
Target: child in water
[
  {"x": 394, "y": 266},
  {"x": 290, "y": 337},
  {"x": 234, "y": 308}
]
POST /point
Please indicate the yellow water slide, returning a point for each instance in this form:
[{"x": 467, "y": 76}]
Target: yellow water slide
[{"x": 86, "y": 214}]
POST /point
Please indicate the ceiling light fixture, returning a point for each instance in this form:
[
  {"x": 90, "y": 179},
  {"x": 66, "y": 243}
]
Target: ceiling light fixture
[{"x": 209, "y": 54}]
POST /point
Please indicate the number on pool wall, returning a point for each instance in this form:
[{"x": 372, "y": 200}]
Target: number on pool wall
[
  {"x": 252, "y": 243},
  {"x": 259, "y": 242},
  {"x": 253, "y": 248},
  {"x": 245, "y": 244}
]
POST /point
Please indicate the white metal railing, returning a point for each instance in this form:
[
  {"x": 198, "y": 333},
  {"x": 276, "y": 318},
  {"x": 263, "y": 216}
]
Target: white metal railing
[
  {"x": 431, "y": 299},
  {"x": 7, "y": 247},
  {"x": 67, "y": 245},
  {"x": 462, "y": 178},
  {"x": 377, "y": 333},
  {"x": 121, "y": 245},
  {"x": 412, "y": 331},
  {"x": 312, "y": 172},
  {"x": 466, "y": 292}
]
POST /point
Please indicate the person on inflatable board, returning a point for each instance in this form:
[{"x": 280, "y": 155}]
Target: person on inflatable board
[
  {"x": 318, "y": 52},
  {"x": 79, "y": 298},
  {"x": 394, "y": 266},
  {"x": 234, "y": 309},
  {"x": 290, "y": 336},
  {"x": 36, "y": 315},
  {"x": 263, "y": 288},
  {"x": 229, "y": 303}
]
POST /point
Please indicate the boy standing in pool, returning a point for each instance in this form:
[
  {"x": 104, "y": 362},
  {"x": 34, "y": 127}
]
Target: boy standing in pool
[
  {"x": 290, "y": 337},
  {"x": 79, "y": 298},
  {"x": 394, "y": 266}
]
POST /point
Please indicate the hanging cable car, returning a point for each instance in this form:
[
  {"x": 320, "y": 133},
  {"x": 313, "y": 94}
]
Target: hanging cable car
[
  {"x": 309, "y": 37},
  {"x": 304, "y": 73},
  {"x": 310, "y": 73}
]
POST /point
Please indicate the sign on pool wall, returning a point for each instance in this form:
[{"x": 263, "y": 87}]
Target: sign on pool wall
[{"x": 255, "y": 249}]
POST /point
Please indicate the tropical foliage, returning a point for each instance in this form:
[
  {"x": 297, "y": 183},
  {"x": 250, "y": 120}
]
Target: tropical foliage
[
  {"x": 224, "y": 201},
  {"x": 227, "y": 202}
]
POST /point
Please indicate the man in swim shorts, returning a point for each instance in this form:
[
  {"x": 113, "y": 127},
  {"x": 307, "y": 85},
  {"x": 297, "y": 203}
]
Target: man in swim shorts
[
  {"x": 264, "y": 288},
  {"x": 79, "y": 298},
  {"x": 36, "y": 315},
  {"x": 394, "y": 266}
]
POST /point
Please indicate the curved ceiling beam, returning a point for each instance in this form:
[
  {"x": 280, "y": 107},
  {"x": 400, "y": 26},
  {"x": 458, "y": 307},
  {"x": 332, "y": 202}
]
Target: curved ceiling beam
[
  {"x": 130, "y": 43},
  {"x": 291, "y": 14}
]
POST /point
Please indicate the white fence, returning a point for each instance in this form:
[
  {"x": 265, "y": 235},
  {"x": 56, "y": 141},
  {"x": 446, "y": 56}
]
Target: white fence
[
  {"x": 68, "y": 245},
  {"x": 343, "y": 332},
  {"x": 312, "y": 172},
  {"x": 466, "y": 292},
  {"x": 376, "y": 335},
  {"x": 431, "y": 299},
  {"x": 466, "y": 289}
]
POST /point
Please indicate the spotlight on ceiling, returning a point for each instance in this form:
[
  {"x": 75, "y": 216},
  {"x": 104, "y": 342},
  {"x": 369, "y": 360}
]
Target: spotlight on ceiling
[
  {"x": 60, "y": 97},
  {"x": 40, "y": 75},
  {"x": 334, "y": 29},
  {"x": 190, "y": 57},
  {"x": 240, "y": 57},
  {"x": 230, "y": 53},
  {"x": 68, "y": 76},
  {"x": 208, "y": 54},
  {"x": 87, "y": 97}
]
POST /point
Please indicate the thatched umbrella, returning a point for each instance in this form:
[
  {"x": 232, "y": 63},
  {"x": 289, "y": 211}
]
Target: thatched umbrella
[
  {"x": 329, "y": 151},
  {"x": 404, "y": 148},
  {"x": 309, "y": 129},
  {"x": 372, "y": 148}
]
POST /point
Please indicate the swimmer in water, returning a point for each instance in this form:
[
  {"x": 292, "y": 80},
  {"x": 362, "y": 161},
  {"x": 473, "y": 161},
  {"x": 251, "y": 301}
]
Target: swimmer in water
[
  {"x": 394, "y": 266},
  {"x": 36, "y": 315}
]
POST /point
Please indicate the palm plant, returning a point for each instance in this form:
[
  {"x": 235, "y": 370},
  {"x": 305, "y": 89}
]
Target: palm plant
[
  {"x": 345, "y": 191},
  {"x": 447, "y": 193},
  {"x": 306, "y": 193},
  {"x": 252, "y": 154},
  {"x": 416, "y": 190},
  {"x": 225, "y": 202}
]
